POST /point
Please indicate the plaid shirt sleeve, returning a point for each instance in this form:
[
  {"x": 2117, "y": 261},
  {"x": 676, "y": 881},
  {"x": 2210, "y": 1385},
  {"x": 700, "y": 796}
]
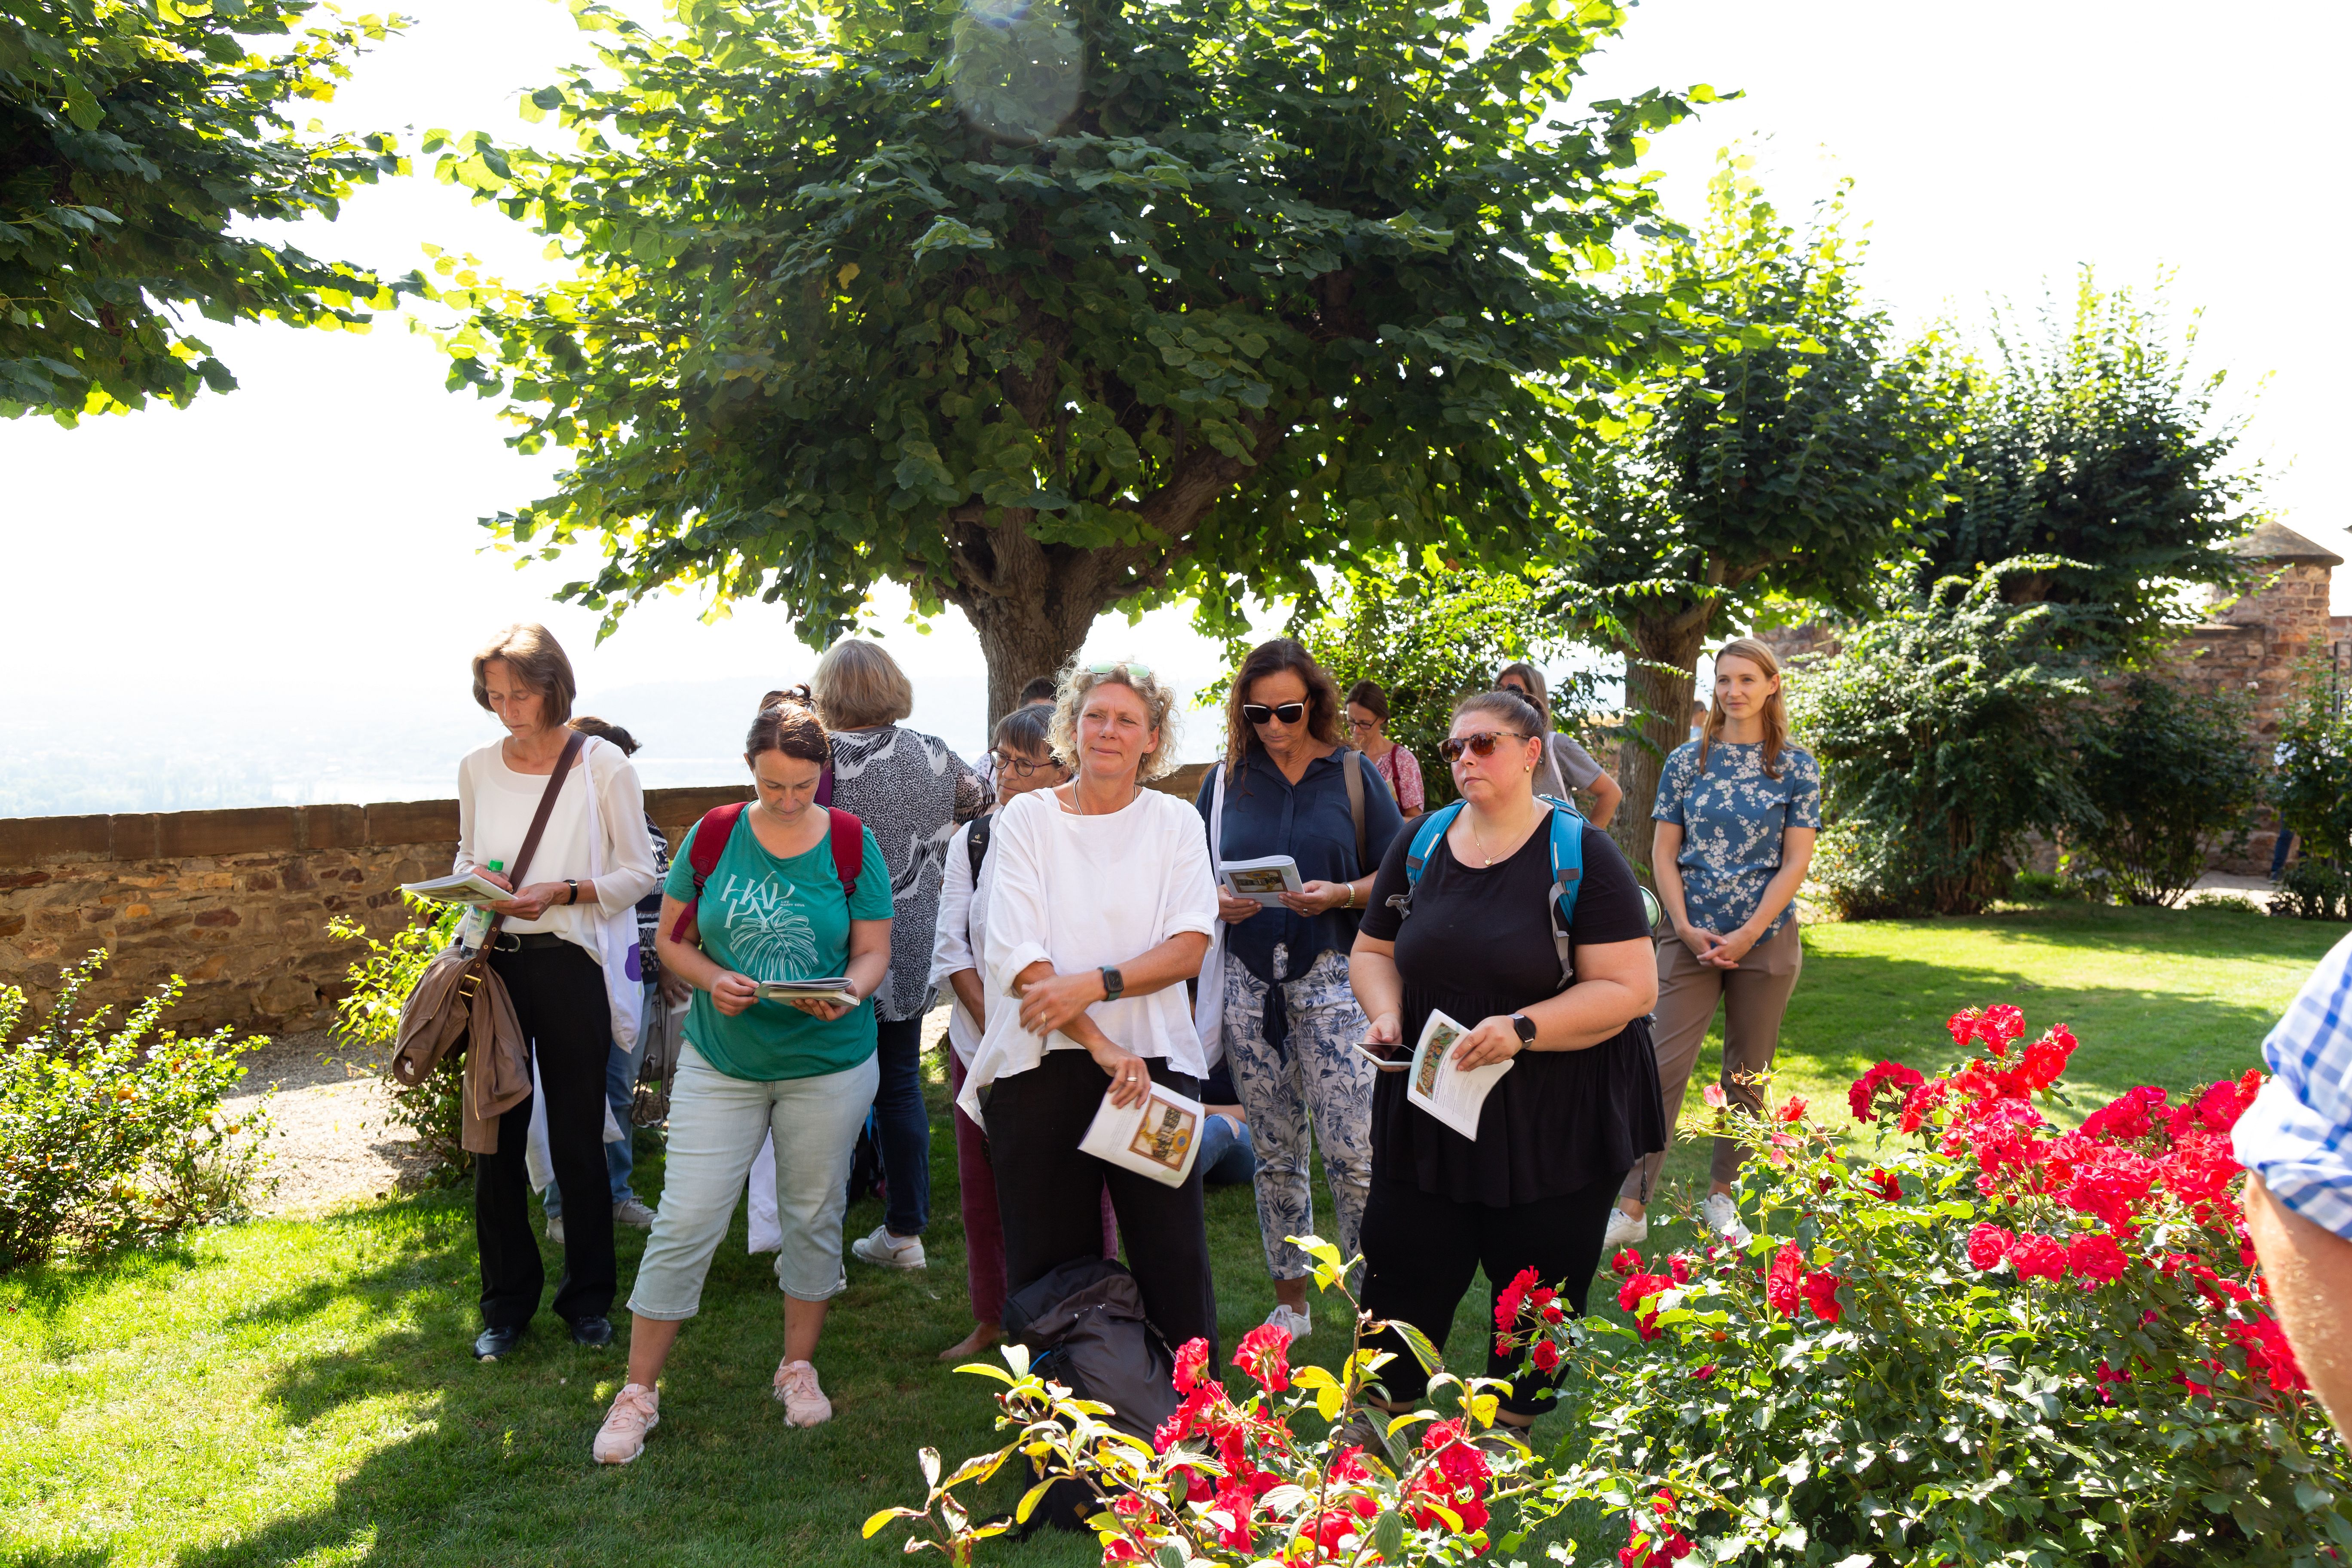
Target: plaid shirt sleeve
[{"x": 2297, "y": 1134}]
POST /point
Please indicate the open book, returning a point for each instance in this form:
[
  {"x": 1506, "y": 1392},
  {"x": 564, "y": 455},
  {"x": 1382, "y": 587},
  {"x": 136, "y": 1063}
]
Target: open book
[
  {"x": 1448, "y": 1092},
  {"x": 1265, "y": 878},
  {"x": 1160, "y": 1138},
  {"x": 828, "y": 988},
  {"x": 463, "y": 889}
]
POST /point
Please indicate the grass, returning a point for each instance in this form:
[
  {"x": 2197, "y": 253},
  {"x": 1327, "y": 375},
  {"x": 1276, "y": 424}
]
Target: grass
[{"x": 300, "y": 1392}]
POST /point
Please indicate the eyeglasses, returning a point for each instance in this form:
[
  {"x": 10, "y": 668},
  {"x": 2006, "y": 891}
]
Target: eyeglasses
[
  {"x": 1480, "y": 744},
  {"x": 1286, "y": 712},
  {"x": 1363, "y": 723},
  {"x": 1121, "y": 666},
  {"x": 1020, "y": 767}
]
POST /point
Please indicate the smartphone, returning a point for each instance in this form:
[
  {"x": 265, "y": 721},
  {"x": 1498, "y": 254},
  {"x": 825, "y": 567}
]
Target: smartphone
[{"x": 1386, "y": 1064}]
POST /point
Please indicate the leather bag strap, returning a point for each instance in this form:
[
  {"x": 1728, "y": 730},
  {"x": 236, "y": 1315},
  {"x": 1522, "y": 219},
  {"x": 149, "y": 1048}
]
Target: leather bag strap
[{"x": 538, "y": 820}]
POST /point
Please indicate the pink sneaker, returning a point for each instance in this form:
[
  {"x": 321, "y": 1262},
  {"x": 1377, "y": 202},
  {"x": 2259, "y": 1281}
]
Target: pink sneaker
[
  {"x": 636, "y": 1411},
  {"x": 804, "y": 1402}
]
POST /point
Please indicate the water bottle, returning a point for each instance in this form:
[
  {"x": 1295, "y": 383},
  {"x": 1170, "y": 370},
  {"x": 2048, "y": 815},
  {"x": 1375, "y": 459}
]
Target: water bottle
[{"x": 475, "y": 923}]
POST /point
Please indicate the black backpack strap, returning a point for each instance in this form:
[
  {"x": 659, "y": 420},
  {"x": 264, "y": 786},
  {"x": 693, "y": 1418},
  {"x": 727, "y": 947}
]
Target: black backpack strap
[{"x": 975, "y": 843}]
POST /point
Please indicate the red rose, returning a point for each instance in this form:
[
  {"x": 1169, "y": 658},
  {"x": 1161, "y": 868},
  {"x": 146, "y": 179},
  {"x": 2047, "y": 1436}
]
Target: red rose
[
  {"x": 2125, "y": 1119},
  {"x": 1821, "y": 1294},
  {"x": 1547, "y": 1356},
  {"x": 2096, "y": 1259},
  {"x": 1265, "y": 1354},
  {"x": 1781, "y": 1286},
  {"x": 1792, "y": 1109},
  {"x": 1987, "y": 1246},
  {"x": 1862, "y": 1094},
  {"x": 1191, "y": 1363},
  {"x": 1884, "y": 1186},
  {"x": 2038, "y": 1258},
  {"x": 1627, "y": 1262},
  {"x": 2001, "y": 1022}
]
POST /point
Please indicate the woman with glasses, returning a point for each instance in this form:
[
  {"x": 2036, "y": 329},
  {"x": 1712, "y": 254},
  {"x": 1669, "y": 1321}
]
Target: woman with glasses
[
  {"x": 1368, "y": 721},
  {"x": 1472, "y": 938},
  {"x": 1099, "y": 907},
  {"x": 1566, "y": 766},
  {"x": 1281, "y": 1010}
]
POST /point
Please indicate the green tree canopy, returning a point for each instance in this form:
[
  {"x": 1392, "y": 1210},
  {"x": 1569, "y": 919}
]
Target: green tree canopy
[
  {"x": 2096, "y": 446},
  {"x": 135, "y": 141},
  {"x": 1793, "y": 463},
  {"x": 1040, "y": 308}
]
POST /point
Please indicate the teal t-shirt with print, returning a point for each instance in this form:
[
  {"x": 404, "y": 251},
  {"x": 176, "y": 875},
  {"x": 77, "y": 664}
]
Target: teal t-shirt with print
[{"x": 776, "y": 919}]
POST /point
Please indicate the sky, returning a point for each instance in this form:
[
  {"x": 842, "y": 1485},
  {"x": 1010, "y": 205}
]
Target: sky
[{"x": 272, "y": 596}]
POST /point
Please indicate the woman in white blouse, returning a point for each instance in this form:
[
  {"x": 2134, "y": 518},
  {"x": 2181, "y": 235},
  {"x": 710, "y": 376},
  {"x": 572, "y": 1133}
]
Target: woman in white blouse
[
  {"x": 1100, "y": 907},
  {"x": 565, "y": 954}
]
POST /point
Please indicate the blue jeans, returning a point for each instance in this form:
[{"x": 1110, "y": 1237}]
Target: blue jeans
[
  {"x": 620, "y": 1089},
  {"x": 905, "y": 1125},
  {"x": 1228, "y": 1155}
]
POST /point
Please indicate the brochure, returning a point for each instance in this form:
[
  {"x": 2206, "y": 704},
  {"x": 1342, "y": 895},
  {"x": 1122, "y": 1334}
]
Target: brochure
[
  {"x": 467, "y": 889},
  {"x": 1265, "y": 878},
  {"x": 1448, "y": 1092},
  {"x": 1160, "y": 1138},
  {"x": 829, "y": 988}
]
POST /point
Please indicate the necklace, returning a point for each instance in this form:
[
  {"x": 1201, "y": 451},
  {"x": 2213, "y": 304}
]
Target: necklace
[{"x": 1478, "y": 841}]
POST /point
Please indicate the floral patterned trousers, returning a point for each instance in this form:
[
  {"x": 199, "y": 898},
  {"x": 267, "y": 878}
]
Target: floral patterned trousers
[{"x": 1318, "y": 1077}]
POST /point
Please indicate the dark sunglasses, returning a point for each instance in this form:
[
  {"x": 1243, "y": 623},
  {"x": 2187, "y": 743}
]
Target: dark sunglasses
[
  {"x": 1480, "y": 744},
  {"x": 1288, "y": 712}
]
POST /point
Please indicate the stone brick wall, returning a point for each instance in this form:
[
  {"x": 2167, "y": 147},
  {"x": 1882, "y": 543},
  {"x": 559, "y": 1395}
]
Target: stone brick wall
[{"x": 238, "y": 902}]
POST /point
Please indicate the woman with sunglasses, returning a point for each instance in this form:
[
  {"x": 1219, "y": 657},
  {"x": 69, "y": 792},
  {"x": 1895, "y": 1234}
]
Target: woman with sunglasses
[
  {"x": 1101, "y": 905},
  {"x": 1367, "y": 722},
  {"x": 1473, "y": 938},
  {"x": 1278, "y": 1004},
  {"x": 1566, "y": 766}
]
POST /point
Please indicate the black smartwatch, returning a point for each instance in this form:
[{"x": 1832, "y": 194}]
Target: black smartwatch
[
  {"x": 1524, "y": 1027},
  {"x": 1112, "y": 983},
  {"x": 574, "y": 885}
]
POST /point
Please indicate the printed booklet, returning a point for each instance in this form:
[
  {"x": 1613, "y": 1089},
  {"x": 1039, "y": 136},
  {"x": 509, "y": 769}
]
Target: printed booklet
[
  {"x": 1265, "y": 878},
  {"x": 830, "y": 988},
  {"x": 1448, "y": 1092},
  {"x": 467, "y": 889},
  {"x": 1158, "y": 1139}
]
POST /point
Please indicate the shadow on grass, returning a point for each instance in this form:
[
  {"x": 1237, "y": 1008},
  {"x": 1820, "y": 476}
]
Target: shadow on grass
[{"x": 2177, "y": 933}]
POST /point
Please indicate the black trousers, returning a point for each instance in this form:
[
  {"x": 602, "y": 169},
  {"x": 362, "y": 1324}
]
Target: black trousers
[
  {"x": 1050, "y": 1195},
  {"x": 1420, "y": 1251},
  {"x": 559, "y": 995}
]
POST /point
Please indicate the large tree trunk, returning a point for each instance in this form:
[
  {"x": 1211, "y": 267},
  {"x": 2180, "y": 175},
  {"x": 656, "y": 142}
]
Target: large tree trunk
[
  {"x": 1032, "y": 604},
  {"x": 1659, "y": 676}
]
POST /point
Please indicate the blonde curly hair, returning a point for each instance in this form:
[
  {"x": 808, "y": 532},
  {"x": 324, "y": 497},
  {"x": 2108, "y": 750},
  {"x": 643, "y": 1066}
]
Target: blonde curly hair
[{"x": 1158, "y": 704}]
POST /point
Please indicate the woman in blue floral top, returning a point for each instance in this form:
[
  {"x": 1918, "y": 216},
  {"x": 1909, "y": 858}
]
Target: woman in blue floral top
[{"x": 1737, "y": 813}]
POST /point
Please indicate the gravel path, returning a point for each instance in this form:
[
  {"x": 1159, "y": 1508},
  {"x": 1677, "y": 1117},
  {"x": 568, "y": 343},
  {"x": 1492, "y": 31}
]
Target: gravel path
[{"x": 335, "y": 1139}]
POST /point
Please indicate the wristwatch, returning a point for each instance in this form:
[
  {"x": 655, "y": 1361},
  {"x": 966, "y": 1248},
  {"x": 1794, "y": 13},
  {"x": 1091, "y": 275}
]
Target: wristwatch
[
  {"x": 574, "y": 885},
  {"x": 1525, "y": 1028},
  {"x": 1112, "y": 983}
]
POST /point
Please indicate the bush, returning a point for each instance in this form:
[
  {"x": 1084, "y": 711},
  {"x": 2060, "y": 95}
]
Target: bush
[
  {"x": 2169, "y": 777},
  {"x": 2313, "y": 891},
  {"x": 1988, "y": 1343},
  {"x": 2313, "y": 786},
  {"x": 2046, "y": 887},
  {"x": 106, "y": 1140},
  {"x": 370, "y": 1017},
  {"x": 1942, "y": 729}
]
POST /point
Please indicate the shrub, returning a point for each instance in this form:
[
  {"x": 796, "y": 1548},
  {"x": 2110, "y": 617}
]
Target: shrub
[
  {"x": 2169, "y": 777},
  {"x": 370, "y": 1017},
  {"x": 107, "y": 1141},
  {"x": 2313, "y": 891},
  {"x": 1942, "y": 729},
  {"x": 1987, "y": 1341},
  {"x": 2046, "y": 887},
  {"x": 2313, "y": 786}
]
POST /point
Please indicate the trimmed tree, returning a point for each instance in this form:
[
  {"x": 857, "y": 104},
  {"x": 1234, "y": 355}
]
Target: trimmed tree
[
  {"x": 138, "y": 143},
  {"x": 1792, "y": 463},
  {"x": 1040, "y": 310}
]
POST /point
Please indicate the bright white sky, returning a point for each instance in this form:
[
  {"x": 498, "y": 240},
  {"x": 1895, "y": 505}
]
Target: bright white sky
[{"x": 272, "y": 595}]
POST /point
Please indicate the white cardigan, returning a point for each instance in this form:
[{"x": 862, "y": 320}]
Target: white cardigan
[
  {"x": 1080, "y": 893},
  {"x": 962, "y": 933}
]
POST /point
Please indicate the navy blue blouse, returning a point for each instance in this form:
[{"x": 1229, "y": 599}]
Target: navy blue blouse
[{"x": 1266, "y": 814}]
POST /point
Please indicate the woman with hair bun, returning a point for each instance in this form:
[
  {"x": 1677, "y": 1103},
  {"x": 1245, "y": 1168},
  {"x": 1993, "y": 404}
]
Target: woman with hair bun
[
  {"x": 1566, "y": 766},
  {"x": 781, "y": 897}
]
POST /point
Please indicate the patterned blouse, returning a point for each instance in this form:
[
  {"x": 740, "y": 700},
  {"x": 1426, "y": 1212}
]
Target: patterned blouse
[
  {"x": 1402, "y": 770},
  {"x": 910, "y": 791},
  {"x": 1733, "y": 817}
]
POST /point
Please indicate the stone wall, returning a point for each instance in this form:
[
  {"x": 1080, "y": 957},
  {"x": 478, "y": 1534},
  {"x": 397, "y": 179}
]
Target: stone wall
[{"x": 237, "y": 902}]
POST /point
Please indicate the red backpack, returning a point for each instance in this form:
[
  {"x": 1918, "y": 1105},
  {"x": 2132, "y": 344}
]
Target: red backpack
[{"x": 847, "y": 836}]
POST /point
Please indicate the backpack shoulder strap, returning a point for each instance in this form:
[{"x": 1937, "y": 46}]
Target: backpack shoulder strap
[
  {"x": 848, "y": 837},
  {"x": 975, "y": 842},
  {"x": 1425, "y": 834},
  {"x": 1352, "y": 770},
  {"x": 710, "y": 837},
  {"x": 1567, "y": 832}
]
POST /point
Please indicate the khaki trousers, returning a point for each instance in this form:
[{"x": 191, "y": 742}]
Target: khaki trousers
[{"x": 1754, "y": 997}]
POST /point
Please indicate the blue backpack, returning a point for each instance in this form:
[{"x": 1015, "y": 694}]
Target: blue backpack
[{"x": 1567, "y": 826}]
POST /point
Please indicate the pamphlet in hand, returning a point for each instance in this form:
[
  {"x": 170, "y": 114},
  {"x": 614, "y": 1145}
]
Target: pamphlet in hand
[
  {"x": 830, "y": 988},
  {"x": 1453, "y": 1095},
  {"x": 1265, "y": 878},
  {"x": 466, "y": 887},
  {"x": 1160, "y": 1138}
]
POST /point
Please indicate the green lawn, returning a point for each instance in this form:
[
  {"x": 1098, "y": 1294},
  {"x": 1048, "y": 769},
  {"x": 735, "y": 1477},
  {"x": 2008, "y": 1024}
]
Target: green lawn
[{"x": 301, "y": 1390}]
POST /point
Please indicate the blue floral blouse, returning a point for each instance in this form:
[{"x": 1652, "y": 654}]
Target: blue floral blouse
[{"x": 1733, "y": 815}]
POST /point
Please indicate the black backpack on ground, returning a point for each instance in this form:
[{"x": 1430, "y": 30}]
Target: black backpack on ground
[{"x": 1085, "y": 1328}]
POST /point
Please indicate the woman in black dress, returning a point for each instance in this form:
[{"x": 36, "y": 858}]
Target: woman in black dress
[{"x": 1579, "y": 1105}]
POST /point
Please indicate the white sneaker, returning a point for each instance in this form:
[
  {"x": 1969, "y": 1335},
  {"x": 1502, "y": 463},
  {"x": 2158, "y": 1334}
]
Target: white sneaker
[
  {"x": 1626, "y": 1230},
  {"x": 633, "y": 1211},
  {"x": 804, "y": 1402},
  {"x": 555, "y": 1229},
  {"x": 636, "y": 1411},
  {"x": 887, "y": 1251},
  {"x": 1721, "y": 1215},
  {"x": 1294, "y": 1319}
]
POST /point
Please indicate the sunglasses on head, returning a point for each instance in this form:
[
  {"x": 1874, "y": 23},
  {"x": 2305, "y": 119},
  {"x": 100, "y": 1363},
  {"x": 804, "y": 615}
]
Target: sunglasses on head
[
  {"x": 1121, "y": 666},
  {"x": 1288, "y": 713},
  {"x": 1480, "y": 744}
]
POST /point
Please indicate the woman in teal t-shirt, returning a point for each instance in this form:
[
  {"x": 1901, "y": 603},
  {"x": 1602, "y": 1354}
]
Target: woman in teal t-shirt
[{"x": 774, "y": 907}]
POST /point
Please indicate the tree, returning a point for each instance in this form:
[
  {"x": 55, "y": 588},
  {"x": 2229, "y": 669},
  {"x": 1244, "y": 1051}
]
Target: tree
[
  {"x": 138, "y": 143},
  {"x": 1943, "y": 730},
  {"x": 1043, "y": 309},
  {"x": 1793, "y": 463},
  {"x": 2169, "y": 776},
  {"x": 2097, "y": 448}
]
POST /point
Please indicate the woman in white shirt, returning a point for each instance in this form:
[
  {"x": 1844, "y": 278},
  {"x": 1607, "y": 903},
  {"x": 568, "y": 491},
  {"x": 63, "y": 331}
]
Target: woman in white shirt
[
  {"x": 1099, "y": 909},
  {"x": 564, "y": 952}
]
